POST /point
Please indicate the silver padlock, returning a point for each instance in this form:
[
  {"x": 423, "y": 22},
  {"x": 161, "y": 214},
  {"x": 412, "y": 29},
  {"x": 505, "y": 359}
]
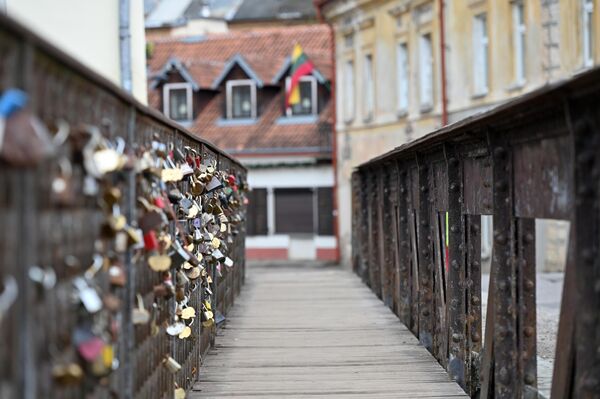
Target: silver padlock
[{"x": 88, "y": 295}]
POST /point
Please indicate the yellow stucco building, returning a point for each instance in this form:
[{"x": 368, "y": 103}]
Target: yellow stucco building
[{"x": 390, "y": 80}]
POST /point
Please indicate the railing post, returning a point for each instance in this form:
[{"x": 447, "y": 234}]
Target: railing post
[
  {"x": 473, "y": 300},
  {"x": 425, "y": 257},
  {"x": 403, "y": 247},
  {"x": 457, "y": 363},
  {"x": 585, "y": 124},
  {"x": 526, "y": 285},
  {"x": 386, "y": 224},
  {"x": 373, "y": 236},
  {"x": 506, "y": 375}
]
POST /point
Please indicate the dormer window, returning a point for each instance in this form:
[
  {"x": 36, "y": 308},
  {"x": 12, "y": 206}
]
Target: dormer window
[
  {"x": 308, "y": 97},
  {"x": 241, "y": 99},
  {"x": 177, "y": 101}
]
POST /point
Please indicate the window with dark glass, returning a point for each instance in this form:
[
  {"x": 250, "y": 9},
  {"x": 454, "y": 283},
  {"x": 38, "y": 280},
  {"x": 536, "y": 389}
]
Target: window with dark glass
[
  {"x": 177, "y": 101},
  {"x": 257, "y": 212},
  {"x": 241, "y": 99},
  {"x": 307, "y": 104},
  {"x": 178, "y": 106}
]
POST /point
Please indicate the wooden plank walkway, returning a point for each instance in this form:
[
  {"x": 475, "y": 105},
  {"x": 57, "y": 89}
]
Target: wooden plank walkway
[{"x": 316, "y": 331}]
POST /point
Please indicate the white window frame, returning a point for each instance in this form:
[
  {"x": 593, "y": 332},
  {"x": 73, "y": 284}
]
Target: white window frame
[
  {"x": 368, "y": 87},
  {"x": 426, "y": 72},
  {"x": 402, "y": 78},
  {"x": 349, "y": 106},
  {"x": 519, "y": 44},
  {"x": 166, "y": 99},
  {"x": 587, "y": 42},
  {"x": 480, "y": 55},
  {"x": 229, "y": 92},
  {"x": 313, "y": 95}
]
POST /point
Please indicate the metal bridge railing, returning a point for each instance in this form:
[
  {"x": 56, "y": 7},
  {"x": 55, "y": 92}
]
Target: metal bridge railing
[
  {"x": 110, "y": 279},
  {"x": 535, "y": 157}
]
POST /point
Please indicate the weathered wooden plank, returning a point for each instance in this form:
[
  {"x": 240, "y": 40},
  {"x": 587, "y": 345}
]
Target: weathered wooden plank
[{"x": 317, "y": 331}]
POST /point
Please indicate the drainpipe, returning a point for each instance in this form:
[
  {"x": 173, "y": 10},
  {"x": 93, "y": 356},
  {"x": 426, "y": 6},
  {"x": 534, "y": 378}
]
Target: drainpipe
[
  {"x": 336, "y": 225},
  {"x": 443, "y": 63},
  {"x": 125, "y": 44}
]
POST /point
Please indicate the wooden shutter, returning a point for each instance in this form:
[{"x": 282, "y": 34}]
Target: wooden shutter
[
  {"x": 257, "y": 212},
  {"x": 294, "y": 210},
  {"x": 325, "y": 209}
]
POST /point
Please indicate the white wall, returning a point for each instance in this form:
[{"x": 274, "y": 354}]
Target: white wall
[
  {"x": 287, "y": 177},
  {"x": 290, "y": 177},
  {"x": 88, "y": 30}
]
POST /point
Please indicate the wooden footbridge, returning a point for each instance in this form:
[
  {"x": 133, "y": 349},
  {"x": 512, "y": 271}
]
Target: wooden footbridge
[
  {"x": 315, "y": 331},
  {"x": 122, "y": 254}
]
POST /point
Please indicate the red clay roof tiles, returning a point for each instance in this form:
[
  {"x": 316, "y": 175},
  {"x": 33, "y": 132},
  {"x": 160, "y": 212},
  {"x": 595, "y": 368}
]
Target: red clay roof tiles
[{"x": 265, "y": 50}]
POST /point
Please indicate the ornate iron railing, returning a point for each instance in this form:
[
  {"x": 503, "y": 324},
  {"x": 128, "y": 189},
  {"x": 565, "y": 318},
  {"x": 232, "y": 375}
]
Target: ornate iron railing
[{"x": 48, "y": 240}]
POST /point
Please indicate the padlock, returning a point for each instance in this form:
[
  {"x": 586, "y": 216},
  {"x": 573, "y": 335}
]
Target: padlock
[
  {"x": 197, "y": 187},
  {"x": 179, "y": 255},
  {"x": 179, "y": 293},
  {"x": 213, "y": 185},
  {"x": 217, "y": 254},
  {"x": 188, "y": 313},
  {"x": 115, "y": 221},
  {"x": 182, "y": 279},
  {"x": 163, "y": 291},
  {"x": 87, "y": 295},
  {"x": 171, "y": 364},
  {"x": 175, "y": 328},
  {"x": 175, "y": 196},
  {"x": 150, "y": 241},
  {"x": 117, "y": 275},
  {"x": 112, "y": 196},
  {"x": 179, "y": 393},
  {"x": 159, "y": 263},
  {"x": 111, "y": 302},
  {"x": 186, "y": 333},
  {"x": 139, "y": 314},
  {"x": 67, "y": 374},
  {"x": 159, "y": 202},
  {"x": 90, "y": 349},
  {"x": 194, "y": 273},
  {"x": 151, "y": 220},
  {"x": 135, "y": 237},
  {"x": 171, "y": 175},
  {"x": 63, "y": 193}
]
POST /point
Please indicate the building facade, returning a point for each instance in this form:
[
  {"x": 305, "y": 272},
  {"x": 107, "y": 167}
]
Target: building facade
[
  {"x": 394, "y": 83},
  {"x": 230, "y": 89},
  {"x": 89, "y": 32}
]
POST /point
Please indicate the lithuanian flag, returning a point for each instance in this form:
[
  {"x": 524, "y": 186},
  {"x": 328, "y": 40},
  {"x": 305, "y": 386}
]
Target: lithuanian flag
[{"x": 301, "y": 66}]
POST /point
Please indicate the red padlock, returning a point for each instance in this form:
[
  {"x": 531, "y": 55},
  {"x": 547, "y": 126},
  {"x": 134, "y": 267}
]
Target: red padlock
[
  {"x": 150, "y": 240},
  {"x": 159, "y": 202},
  {"x": 231, "y": 180}
]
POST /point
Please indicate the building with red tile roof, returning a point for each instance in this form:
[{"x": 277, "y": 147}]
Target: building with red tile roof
[{"x": 230, "y": 89}]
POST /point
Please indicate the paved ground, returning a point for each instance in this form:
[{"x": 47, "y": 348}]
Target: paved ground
[
  {"x": 549, "y": 293},
  {"x": 309, "y": 331}
]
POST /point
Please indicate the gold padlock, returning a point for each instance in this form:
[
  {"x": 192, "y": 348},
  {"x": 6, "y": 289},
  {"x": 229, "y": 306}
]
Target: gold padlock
[
  {"x": 67, "y": 374},
  {"x": 171, "y": 364}
]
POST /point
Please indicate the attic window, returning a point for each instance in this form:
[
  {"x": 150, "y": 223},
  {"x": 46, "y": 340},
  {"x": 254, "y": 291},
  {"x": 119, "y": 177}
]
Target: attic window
[
  {"x": 308, "y": 97},
  {"x": 241, "y": 99},
  {"x": 177, "y": 101}
]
